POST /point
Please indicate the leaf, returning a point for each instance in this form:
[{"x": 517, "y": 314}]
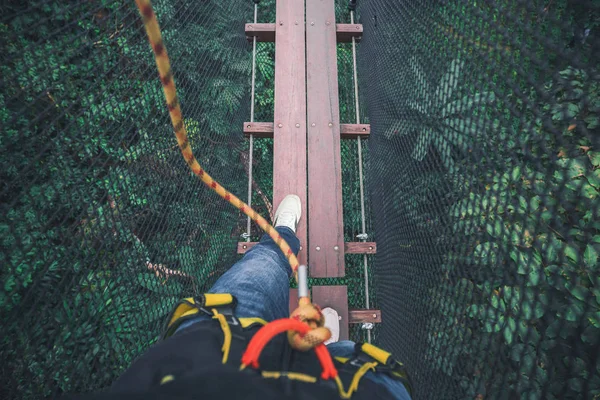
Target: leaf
[
  {"x": 515, "y": 173},
  {"x": 534, "y": 276},
  {"x": 540, "y": 309},
  {"x": 574, "y": 167},
  {"x": 579, "y": 292},
  {"x": 449, "y": 81},
  {"x": 590, "y": 256},
  {"x": 572, "y": 253},
  {"x": 590, "y": 335},
  {"x": 594, "y": 157},
  {"x": 517, "y": 351},
  {"x": 468, "y": 102},
  {"x": 508, "y": 334},
  {"x": 594, "y": 319},
  {"x": 420, "y": 150},
  {"x": 421, "y": 82}
]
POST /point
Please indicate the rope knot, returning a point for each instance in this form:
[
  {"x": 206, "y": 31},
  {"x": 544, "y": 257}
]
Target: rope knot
[{"x": 311, "y": 315}]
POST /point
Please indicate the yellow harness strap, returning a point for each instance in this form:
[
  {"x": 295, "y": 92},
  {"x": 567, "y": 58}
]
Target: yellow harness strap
[
  {"x": 296, "y": 376},
  {"x": 355, "y": 380},
  {"x": 226, "y": 334}
]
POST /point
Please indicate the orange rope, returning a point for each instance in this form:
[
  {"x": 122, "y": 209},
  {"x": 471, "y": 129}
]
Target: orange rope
[
  {"x": 307, "y": 314},
  {"x": 168, "y": 83}
]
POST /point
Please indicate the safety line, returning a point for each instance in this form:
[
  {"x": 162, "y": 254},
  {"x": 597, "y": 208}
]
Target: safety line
[
  {"x": 363, "y": 234},
  {"x": 251, "y": 150}
]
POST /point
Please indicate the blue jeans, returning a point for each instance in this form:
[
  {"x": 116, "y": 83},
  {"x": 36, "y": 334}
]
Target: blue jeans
[{"x": 260, "y": 282}]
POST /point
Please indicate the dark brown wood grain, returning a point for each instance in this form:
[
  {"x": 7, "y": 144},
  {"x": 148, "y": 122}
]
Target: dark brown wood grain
[
  {"x": 266, "y": 32},
  {"x": 359, "y": 316},
  {"x": 265, "y": 130},
  {"x": 335, "y": 297},
  {"x": 325, "y": 217},
  {"x": 289, "y": 157}
]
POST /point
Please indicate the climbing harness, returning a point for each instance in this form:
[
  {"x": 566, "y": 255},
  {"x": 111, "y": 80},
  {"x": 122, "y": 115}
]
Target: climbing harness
[{"x": 344, "y": 372}]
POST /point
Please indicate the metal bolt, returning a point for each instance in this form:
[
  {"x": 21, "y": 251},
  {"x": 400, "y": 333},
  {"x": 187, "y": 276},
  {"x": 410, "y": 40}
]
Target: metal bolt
[
  {"x": 336, "y": 248},
  {"x": 318, "y": 248},
  {"x": 339, "y": 317},
  {"x": 357, "y": 26},
  {"x": 296, "y": 22},
  {"x": 247, "y": 126},
  {"x": 370, "y": 247},
  {"x": 280, "y": 22},
  {"x": 364, "y": 129},
  {"x": 330, "y": 124},
  {"x": 297, "y": 125},
  {"x": 250, "y": 26},
  {"x": 374, "y": 315},
  {"x": 300, "y": 247},
  {"x": 327, "y": 23},
  {"x": 244, "y": 246},
  {"x": 280, "y": 125},
  {"x": 312, "y": 23},
  {"x": 313, "y": 124}
]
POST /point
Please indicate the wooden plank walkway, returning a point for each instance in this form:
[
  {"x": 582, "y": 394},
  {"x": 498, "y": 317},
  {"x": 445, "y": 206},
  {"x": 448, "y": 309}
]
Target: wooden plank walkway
[
  {"x": 307, "y": 133},
  {"x": 289, "y": 154},
  {"x": 325, "y": 216}
]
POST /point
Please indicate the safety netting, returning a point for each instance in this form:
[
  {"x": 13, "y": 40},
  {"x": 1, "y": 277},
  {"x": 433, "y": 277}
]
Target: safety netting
[
  {"x": 485, "y": 176},
  {"x": 482, "y": 170}
]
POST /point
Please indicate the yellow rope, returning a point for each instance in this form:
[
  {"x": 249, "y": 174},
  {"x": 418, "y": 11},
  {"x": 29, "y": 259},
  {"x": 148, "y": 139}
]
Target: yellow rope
[
  {"x": 226, "y": 335},
  {"x": 168, "y": 83},
  {"x": 355, "y": 380}
]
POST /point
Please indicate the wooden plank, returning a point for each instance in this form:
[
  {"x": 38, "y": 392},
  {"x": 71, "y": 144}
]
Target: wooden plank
[
  {"x": 349, "y": 247},
  {"x": 360, "y": 316},
  {"x": 289, "y": 164},
  {"x": 266, "y": 32},
  {"x": 345, "y": 32},
  {"x": 335, "y": 297},
  {"x": 347, "y": 131},
  {"x": 263, "y": 32},
  {"x": 259, "y": 129},
  {"x": 352, "y": 131},
  {"x": 325, "y": 219},
  {"x": 360, "y": 247}
]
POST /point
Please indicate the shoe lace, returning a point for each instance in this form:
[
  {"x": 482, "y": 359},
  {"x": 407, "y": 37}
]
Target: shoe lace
[{"x": 286, "y": 218}]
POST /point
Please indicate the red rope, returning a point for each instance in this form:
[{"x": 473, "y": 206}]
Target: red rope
[{"x": 269, "y": 331}]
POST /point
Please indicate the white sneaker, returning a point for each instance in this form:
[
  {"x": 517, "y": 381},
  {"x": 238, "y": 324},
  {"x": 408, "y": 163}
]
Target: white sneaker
[
  {"x": 332, "y": 322},
  {"x": 289, "y": 212}
]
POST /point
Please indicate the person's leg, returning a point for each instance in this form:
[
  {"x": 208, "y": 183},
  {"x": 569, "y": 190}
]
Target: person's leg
[
  {"x": 344, "y": 348},
  {"x": 260, "y": 280}
]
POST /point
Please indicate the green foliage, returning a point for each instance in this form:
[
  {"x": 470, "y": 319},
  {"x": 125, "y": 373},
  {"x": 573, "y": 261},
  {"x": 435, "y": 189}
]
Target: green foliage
[
  {"x": 438, "y": 110},
  {"x": 523, "y": 275},
  {"x": 103, "y": 226}
]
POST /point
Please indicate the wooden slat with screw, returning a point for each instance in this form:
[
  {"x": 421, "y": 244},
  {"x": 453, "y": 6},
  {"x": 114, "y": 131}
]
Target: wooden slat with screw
[
  {"x": 360, "y": 247},
  {"x": 347, "y": 131},
  {"x": 266, "y": 32},
  {"x": 359, "y": 316},
  {"x": 349, "y": 247}
]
